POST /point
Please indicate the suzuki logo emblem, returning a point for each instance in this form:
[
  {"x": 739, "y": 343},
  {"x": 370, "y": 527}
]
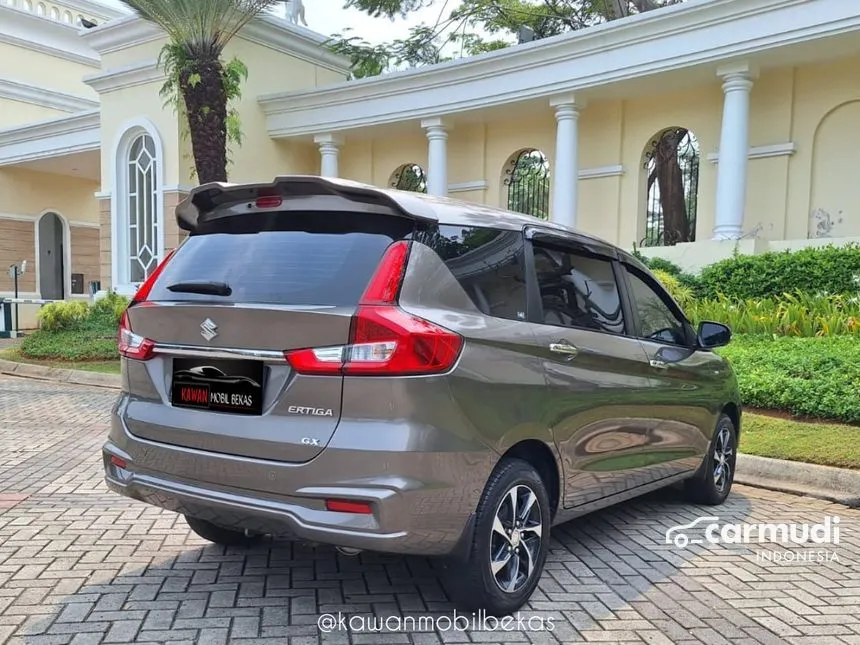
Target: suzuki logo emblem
[{"x": 208, "y": 329}]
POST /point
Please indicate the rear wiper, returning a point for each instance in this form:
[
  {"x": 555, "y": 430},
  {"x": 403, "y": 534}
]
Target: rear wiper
[{"x": 204, "y": 288}]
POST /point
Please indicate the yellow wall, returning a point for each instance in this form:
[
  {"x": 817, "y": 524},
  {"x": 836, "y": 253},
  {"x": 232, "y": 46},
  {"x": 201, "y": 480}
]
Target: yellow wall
[
  {"x": 24, "y": 192},
  {"x": 816, "y": 107},
  {"x": 43, "y": 70},
  {"x": 14, "y": 113}
]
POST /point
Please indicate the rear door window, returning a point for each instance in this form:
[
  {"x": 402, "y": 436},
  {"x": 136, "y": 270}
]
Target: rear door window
[
  {"x": 283, "y": 258},
  {"x": 577, "y": 290},
  {"x": 488, "y": 264}
]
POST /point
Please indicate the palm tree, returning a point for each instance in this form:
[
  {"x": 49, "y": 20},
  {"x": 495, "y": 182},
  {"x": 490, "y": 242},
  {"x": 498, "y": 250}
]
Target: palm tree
[{"x": 198, "y": 80}]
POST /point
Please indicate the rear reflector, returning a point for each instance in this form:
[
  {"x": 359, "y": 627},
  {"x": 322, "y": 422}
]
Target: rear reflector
[
  {"x": 119, "y": 463},
  {"x": 347, "y": 506}
]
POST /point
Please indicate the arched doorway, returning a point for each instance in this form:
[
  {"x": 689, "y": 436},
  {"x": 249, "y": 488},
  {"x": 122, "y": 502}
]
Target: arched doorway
[
  {"x": 526, "y": 177},
  {"x": 52, "y": 251},
  {"x": 409, "y": 176},
  {"x": 671, "y": 165}
]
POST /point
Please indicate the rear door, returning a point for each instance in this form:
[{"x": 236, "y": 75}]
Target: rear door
[
  {"x": 236, "y": 295},
  {"x": 597, "y": 375}
]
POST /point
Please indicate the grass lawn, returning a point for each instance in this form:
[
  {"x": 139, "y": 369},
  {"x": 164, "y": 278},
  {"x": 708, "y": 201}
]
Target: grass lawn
[
  {"x": 108, "y": 367},
  {"x": 814, "y": 442}
]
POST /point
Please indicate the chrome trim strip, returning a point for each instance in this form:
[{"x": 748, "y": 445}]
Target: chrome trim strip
[{"x": 220, "y": 352}]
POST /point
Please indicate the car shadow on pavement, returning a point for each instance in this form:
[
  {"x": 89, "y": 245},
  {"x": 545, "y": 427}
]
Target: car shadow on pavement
[{"x": 610, "y": 569}]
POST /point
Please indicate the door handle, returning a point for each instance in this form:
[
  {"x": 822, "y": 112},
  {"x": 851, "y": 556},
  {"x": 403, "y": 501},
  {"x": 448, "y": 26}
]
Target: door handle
[
  {"x": 660, "y": 365},
  {"x": 564, "y": 348}
]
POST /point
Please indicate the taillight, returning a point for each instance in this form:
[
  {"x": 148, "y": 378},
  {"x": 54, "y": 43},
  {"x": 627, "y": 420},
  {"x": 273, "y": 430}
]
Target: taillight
[
  {"x": 133, "y": 345},
  {"x": 384, "y": 340},
  {"x": 143, "y": 293}
]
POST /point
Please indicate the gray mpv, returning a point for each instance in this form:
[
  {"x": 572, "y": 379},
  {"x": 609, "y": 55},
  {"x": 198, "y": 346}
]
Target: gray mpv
[{"x": 326, "y": 361}]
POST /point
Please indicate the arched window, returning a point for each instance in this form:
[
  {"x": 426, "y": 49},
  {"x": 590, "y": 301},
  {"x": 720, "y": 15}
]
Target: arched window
[
  {"x": 67, "y": 17},
  {"x": 136, "y": 235},
  {"x": 28, "y": 5},
  {"x": 671, "y": 165},
  {"x": 55, "y": 13},
  {"x": 526, "y": 178},
  {"x": 79, "y": 21},
  {"x": 410, "y": 177},
  {"x": 41, "y": 9}
]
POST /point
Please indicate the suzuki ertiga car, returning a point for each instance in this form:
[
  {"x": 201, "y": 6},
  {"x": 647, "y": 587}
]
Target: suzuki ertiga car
[{"x": 326, "y": 361}]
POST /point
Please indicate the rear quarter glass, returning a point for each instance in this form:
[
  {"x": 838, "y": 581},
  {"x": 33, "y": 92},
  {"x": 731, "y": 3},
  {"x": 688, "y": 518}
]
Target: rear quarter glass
[{"x": 283, "y": 258}]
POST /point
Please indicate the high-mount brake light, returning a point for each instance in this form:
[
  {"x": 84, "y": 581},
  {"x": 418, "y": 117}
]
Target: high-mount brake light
[{"x": 268, "y": 201}]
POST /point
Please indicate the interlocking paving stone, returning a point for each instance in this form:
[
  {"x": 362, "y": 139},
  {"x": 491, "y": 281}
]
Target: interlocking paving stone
[{"x": 81, "y": 566}]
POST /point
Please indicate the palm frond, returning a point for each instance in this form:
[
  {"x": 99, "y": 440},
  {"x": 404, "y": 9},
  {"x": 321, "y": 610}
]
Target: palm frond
[{"x": 200, "y": 26}]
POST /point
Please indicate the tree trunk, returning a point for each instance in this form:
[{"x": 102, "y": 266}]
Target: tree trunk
[
  {"x": 206, "y": 106},
  {"x": 676, "y": 227}
]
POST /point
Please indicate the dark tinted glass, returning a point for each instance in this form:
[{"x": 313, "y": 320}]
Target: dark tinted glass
[
  {"x": 488, "y": 264},
  {"x": 578, "y": 290},
  {"x": 283, "y": 258},
  {"x": 657, "y": 320}
]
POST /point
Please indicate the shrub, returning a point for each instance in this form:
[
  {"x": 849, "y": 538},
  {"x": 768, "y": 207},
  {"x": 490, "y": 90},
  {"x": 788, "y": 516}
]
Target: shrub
[
  {"x": 59, "y": 316},
  {"x": 70, "y": 345},
  {"x": 790, "y": 315},
  {"x": 808, "y": 377},
  {"x": 682, "y": 294},
  {"x": 829, "y": 269},
  {"x": 109, "y": 309}
]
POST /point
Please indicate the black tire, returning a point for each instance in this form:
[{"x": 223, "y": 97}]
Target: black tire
[
  {"x": 473, "y": 585},
  {"x": 705, "y": 487},
  {"x": 220, "y": 535}
]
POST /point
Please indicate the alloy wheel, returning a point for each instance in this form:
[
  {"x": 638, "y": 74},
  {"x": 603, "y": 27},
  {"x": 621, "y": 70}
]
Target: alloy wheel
[
  {"x": 723, "y": 453},
  {"x": 516, "y": 538}
]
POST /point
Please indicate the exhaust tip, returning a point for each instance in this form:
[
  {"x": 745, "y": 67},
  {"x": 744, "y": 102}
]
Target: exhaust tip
[{"x": 347, "y": 550}]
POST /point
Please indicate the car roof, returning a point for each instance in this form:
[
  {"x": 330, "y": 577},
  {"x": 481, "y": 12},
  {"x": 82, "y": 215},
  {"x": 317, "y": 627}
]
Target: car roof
[{"x": 420, "y": 206}]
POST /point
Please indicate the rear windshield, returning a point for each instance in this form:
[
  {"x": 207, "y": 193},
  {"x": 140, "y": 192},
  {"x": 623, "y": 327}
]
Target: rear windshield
[{"x": 283, "y": 258}]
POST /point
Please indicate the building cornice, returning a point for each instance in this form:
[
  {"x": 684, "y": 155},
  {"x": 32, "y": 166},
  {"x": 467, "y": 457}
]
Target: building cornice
[
  {"x": 94, "y": 9},
  {"x": 44, "y": 97},
  {"x": 126, "y": 76},
  {"x": 697, "y": 33},
  {"x": 29, "y": 31},
  {"x": 269, "y": 31},
  {"x": 51, "y": 138}
]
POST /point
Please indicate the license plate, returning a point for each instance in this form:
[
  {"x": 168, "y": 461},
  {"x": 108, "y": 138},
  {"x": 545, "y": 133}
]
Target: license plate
[{"x": 222, "y": 386}]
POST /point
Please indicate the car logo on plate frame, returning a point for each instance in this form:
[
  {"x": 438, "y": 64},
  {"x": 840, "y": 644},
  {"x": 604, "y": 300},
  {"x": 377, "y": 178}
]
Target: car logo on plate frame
[{"x": 208, "y": 329}]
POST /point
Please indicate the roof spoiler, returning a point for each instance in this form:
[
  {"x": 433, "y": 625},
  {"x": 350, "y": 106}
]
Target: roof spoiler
[{"x": 192, "y": 210}]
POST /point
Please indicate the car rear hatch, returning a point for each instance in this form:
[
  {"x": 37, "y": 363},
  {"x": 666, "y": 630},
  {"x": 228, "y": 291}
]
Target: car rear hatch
[{"x": 236, "y": 343}]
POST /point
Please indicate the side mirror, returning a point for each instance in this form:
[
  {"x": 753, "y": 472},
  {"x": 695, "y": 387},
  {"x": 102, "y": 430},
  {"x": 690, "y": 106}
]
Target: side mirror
[{"x": 713, "y": 334}]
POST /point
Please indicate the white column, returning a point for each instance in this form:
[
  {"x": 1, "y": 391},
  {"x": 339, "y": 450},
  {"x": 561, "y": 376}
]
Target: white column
[
  {"x": 329, "y": 145},
  {"x": 733, "y": 152},
  {"x": 564, "y": 170},
  {"x": 437, "y": 156}
]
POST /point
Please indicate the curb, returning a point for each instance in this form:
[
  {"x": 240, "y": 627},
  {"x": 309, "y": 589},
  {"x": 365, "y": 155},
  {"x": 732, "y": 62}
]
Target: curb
[
  {"x": 838, "y": 485},
  {"x": 74, "y": 377}
]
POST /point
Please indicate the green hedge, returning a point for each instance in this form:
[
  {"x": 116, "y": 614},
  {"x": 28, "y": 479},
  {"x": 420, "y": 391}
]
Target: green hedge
[
  {"x": 830, "y": 269},
  {"x": 808, "y": 377}
]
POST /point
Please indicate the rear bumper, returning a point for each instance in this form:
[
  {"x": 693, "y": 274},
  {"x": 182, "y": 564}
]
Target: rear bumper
[{"x": 422, "y": 502}]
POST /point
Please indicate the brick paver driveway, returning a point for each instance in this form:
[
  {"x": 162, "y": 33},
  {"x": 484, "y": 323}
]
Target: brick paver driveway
[{"x": 80, "y": 565}]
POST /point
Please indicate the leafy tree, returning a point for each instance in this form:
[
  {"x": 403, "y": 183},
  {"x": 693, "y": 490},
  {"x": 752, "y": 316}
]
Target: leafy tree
[
  {"x": 478, "y": 26},
  {"x": 199, "y": 82}
]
